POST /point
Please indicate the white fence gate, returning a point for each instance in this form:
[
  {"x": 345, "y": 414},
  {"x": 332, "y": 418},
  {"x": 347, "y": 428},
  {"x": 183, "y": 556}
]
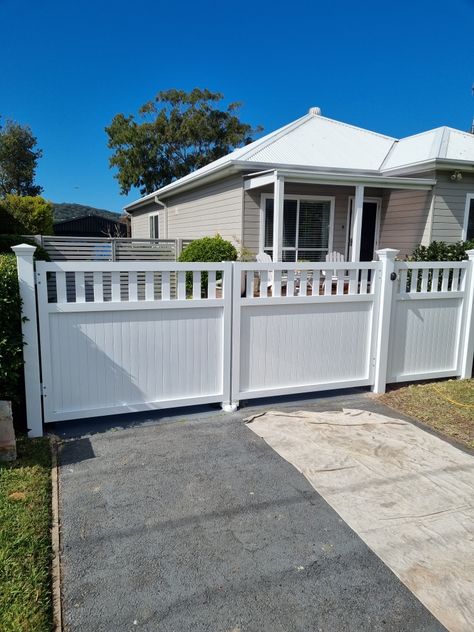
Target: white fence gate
[
  {"x": 131, "y": 336},
  {"x": 128, "y": 339}
]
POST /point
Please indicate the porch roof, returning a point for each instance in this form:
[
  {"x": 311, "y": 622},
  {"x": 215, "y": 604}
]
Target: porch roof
[{"x": 267, "y": 177}]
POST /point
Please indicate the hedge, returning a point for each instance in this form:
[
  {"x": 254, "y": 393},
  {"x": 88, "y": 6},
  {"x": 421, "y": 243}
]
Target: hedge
[
  {"x": 442, "y": 251},
  {"x": 208, "y": 249},
  {"x": 11, "y": 339}
]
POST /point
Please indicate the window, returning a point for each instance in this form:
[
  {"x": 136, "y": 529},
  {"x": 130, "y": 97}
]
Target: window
[
  {"x": 306, "y": 228},
  {"x": 155, "y": 226},
  {"x": 468, "y": 232}
]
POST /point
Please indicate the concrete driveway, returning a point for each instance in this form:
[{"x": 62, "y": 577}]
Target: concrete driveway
[{"x": 193, "y": 523}]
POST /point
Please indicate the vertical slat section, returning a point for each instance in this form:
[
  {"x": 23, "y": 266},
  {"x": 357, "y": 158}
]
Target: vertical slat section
[
  {"x": 196, "y": 284},
  {"x": 115, "y": 287},
  {"x": 424, "y": 280},
  {"x": 303, "y": 290},
  {"x": 340, "y": 282},
  {"x": 80, "y": 287},
  {"x": 211, "y": 284},
  {"x": 445, "y": 284},
  {"x": 403, "y": 281},
  {"x": 276, "y": 283},
  {"x": 149, "y": 286},
  {"x": 457, "y": 280},
  {"x": 315, "y": 283},
  {"x": 165, "y": 286},
  {"x": 435, "y": 280},
  {"x": 132, "y": 286},
  {"x": 290, "y": 283},
  {"x": 353, "y": 274},
  {"x": 363, "y": 281},
  {"x": 328, "y": 282},
  {"x": 61, "y": 287},
  {"x": 414, "y": 280},
  {"x": 263, "y": 283},
  {"x": 181, "y": 285},
  {"x": 98, "y": 288}
]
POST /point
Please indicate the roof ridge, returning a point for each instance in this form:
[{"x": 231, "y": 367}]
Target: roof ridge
[
  {"x": 272, "y": 137},
  {"x": 357, "y": 127}
]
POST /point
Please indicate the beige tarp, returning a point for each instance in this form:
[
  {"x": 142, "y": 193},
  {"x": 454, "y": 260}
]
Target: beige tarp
[{"x": 406, "y": 493}]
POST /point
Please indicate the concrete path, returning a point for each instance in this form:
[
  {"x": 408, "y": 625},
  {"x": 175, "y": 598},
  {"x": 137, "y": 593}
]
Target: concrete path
[{"x": 193, "y": 523}]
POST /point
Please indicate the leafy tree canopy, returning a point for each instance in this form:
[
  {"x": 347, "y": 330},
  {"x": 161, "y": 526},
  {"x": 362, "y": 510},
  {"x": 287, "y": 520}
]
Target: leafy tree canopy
[
  {"x": 18, "y": 160},
  {"x": 27, "y": 215},
  {"x": 174, "y": 134}
]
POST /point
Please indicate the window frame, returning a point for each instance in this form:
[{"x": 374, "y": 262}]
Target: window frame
[
  {"x": 316, "y": 198},
  {"x": 467, "y": 209},
  {"x": 150, "y": 217}
]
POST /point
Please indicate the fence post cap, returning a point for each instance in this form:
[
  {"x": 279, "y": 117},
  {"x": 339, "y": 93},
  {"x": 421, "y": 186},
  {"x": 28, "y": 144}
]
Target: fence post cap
[
  {"x": 470, "y": 254},
  {"x": 387, "y": 253},
  {"x": 24, "y": 249}
]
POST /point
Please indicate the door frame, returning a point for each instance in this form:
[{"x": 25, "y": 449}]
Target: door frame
[{"x": 350, "y": 204}]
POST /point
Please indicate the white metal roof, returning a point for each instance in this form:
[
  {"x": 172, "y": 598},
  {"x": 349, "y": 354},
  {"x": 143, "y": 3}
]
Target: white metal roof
[{"x": 317, "y": 142}]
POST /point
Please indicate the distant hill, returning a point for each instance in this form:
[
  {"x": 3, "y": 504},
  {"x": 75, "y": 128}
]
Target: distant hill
[{"x": 68, "y": 210}]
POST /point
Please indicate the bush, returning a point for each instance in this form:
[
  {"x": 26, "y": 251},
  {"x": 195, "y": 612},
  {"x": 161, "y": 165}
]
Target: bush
[
  {"x": 11, "y": 339},
  {"x": 27, "y": 215},
  {"x": 442, "y": 251},
  {"x": 7, "y": 241},
  {"x": 208, "y": 249}
]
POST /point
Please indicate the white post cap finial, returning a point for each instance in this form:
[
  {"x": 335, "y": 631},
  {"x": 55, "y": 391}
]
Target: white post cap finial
[
  {"x": 470, "y": 254},
  {"x": 387, "y": 253},
  {"x": 24, "y": 249}
]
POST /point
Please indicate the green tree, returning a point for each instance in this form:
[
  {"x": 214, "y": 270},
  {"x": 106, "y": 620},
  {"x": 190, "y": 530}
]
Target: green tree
[
  {"x": 176, "y": 133},
  {"x": 18, "y": 160},
  {"x": 29, "y": 215}
]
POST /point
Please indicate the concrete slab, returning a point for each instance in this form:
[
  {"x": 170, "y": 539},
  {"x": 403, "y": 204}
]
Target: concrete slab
[{"x": 195, "y": 523}]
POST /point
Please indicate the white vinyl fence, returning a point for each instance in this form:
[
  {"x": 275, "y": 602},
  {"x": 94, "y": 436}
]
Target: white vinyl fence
[{"x": 119, "y": 337}]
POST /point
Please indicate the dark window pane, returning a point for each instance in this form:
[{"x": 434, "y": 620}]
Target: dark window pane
[
  {"x": 289, "y": 223},
  {"x": 268, "y": 243},
  {"x": 313, "y": 230},
  {"x": 289, "y": 255},
  {"x": 470, "y": 222},
  {"x": 312, "y": 255}
]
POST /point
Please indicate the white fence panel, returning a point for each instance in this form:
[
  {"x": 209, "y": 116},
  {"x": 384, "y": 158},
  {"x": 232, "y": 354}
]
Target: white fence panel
[
  {"x": 302, "y": 327},
  {"x": 427, "y": 320},
  {"x": 109, "y": 348}
]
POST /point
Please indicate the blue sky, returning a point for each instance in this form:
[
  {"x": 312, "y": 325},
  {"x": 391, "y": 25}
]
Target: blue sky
[{"x": 69, "y": 67}]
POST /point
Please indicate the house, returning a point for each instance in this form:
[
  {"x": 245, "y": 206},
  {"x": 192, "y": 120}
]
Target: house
[
  {"x": 91, "y": 226},
  {"x": 319, "y": 185}
]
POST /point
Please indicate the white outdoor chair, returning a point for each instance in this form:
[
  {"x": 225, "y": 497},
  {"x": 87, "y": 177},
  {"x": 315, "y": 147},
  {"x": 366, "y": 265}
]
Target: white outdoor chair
[
  {"x": 333, "y": 257},
  {"x": 263, "y": 257}
]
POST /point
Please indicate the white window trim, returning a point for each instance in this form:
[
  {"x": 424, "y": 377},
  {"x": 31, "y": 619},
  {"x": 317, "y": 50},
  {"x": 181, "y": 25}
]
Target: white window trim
[
  {"x": 469, "y": 197},
  {"x": 378, "y": 201},
  {"x": 154, "y": 214},
  {"x": 317, "y": 198}
]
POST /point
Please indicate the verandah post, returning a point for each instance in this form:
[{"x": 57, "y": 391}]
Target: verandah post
[
  {"x": 467, "y": 349},
  {"x": 387, "y": 259},
  {"x": 26, "y": 277}
]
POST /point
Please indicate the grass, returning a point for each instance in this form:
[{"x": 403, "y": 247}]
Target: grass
[
  {"x": 25, "y": 541},
  {"x": 447, "y": 407}
]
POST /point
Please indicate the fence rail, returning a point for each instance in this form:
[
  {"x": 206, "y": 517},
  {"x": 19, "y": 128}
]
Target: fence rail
[{"x": 137, "y": 335}]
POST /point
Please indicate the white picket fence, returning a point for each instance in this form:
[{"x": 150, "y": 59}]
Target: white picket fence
[{"x": 134, "y": 336}]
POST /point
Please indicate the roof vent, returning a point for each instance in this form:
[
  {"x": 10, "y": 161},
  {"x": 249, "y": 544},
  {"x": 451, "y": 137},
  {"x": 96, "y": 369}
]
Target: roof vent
[{"x": 315, "y": 111}]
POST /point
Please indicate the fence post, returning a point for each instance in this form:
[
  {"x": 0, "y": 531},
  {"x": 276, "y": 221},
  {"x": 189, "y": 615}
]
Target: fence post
[
  {"x": 179, "y": 248},
  {"x": 467, "y": 353},
  {"x": 29, "y": 326},
  {"x": 114, "y": 249},
  {"x": 387, "y": 277}
]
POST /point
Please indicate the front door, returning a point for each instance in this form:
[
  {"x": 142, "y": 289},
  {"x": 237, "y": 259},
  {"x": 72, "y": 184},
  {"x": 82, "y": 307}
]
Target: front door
[{"x": 369, "y": 236}]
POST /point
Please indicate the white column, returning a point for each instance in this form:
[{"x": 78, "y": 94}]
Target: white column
[
  {"x": 278, "y": 202},
  {"x": 357, "y": 212},
  {"x": 385, "y": 289},
  {"x": 467, "y": 349},
  {"x": 26, "y": 278}
]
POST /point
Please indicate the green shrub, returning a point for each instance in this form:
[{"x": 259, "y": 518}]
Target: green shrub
[
  {"x": 28, "y": 215},
  {"x": 7, "y": 241},
  {"x": 208, "y": 249},
  {"x": 11, "y": 339},
  {"x": 442, "y": 251}
]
